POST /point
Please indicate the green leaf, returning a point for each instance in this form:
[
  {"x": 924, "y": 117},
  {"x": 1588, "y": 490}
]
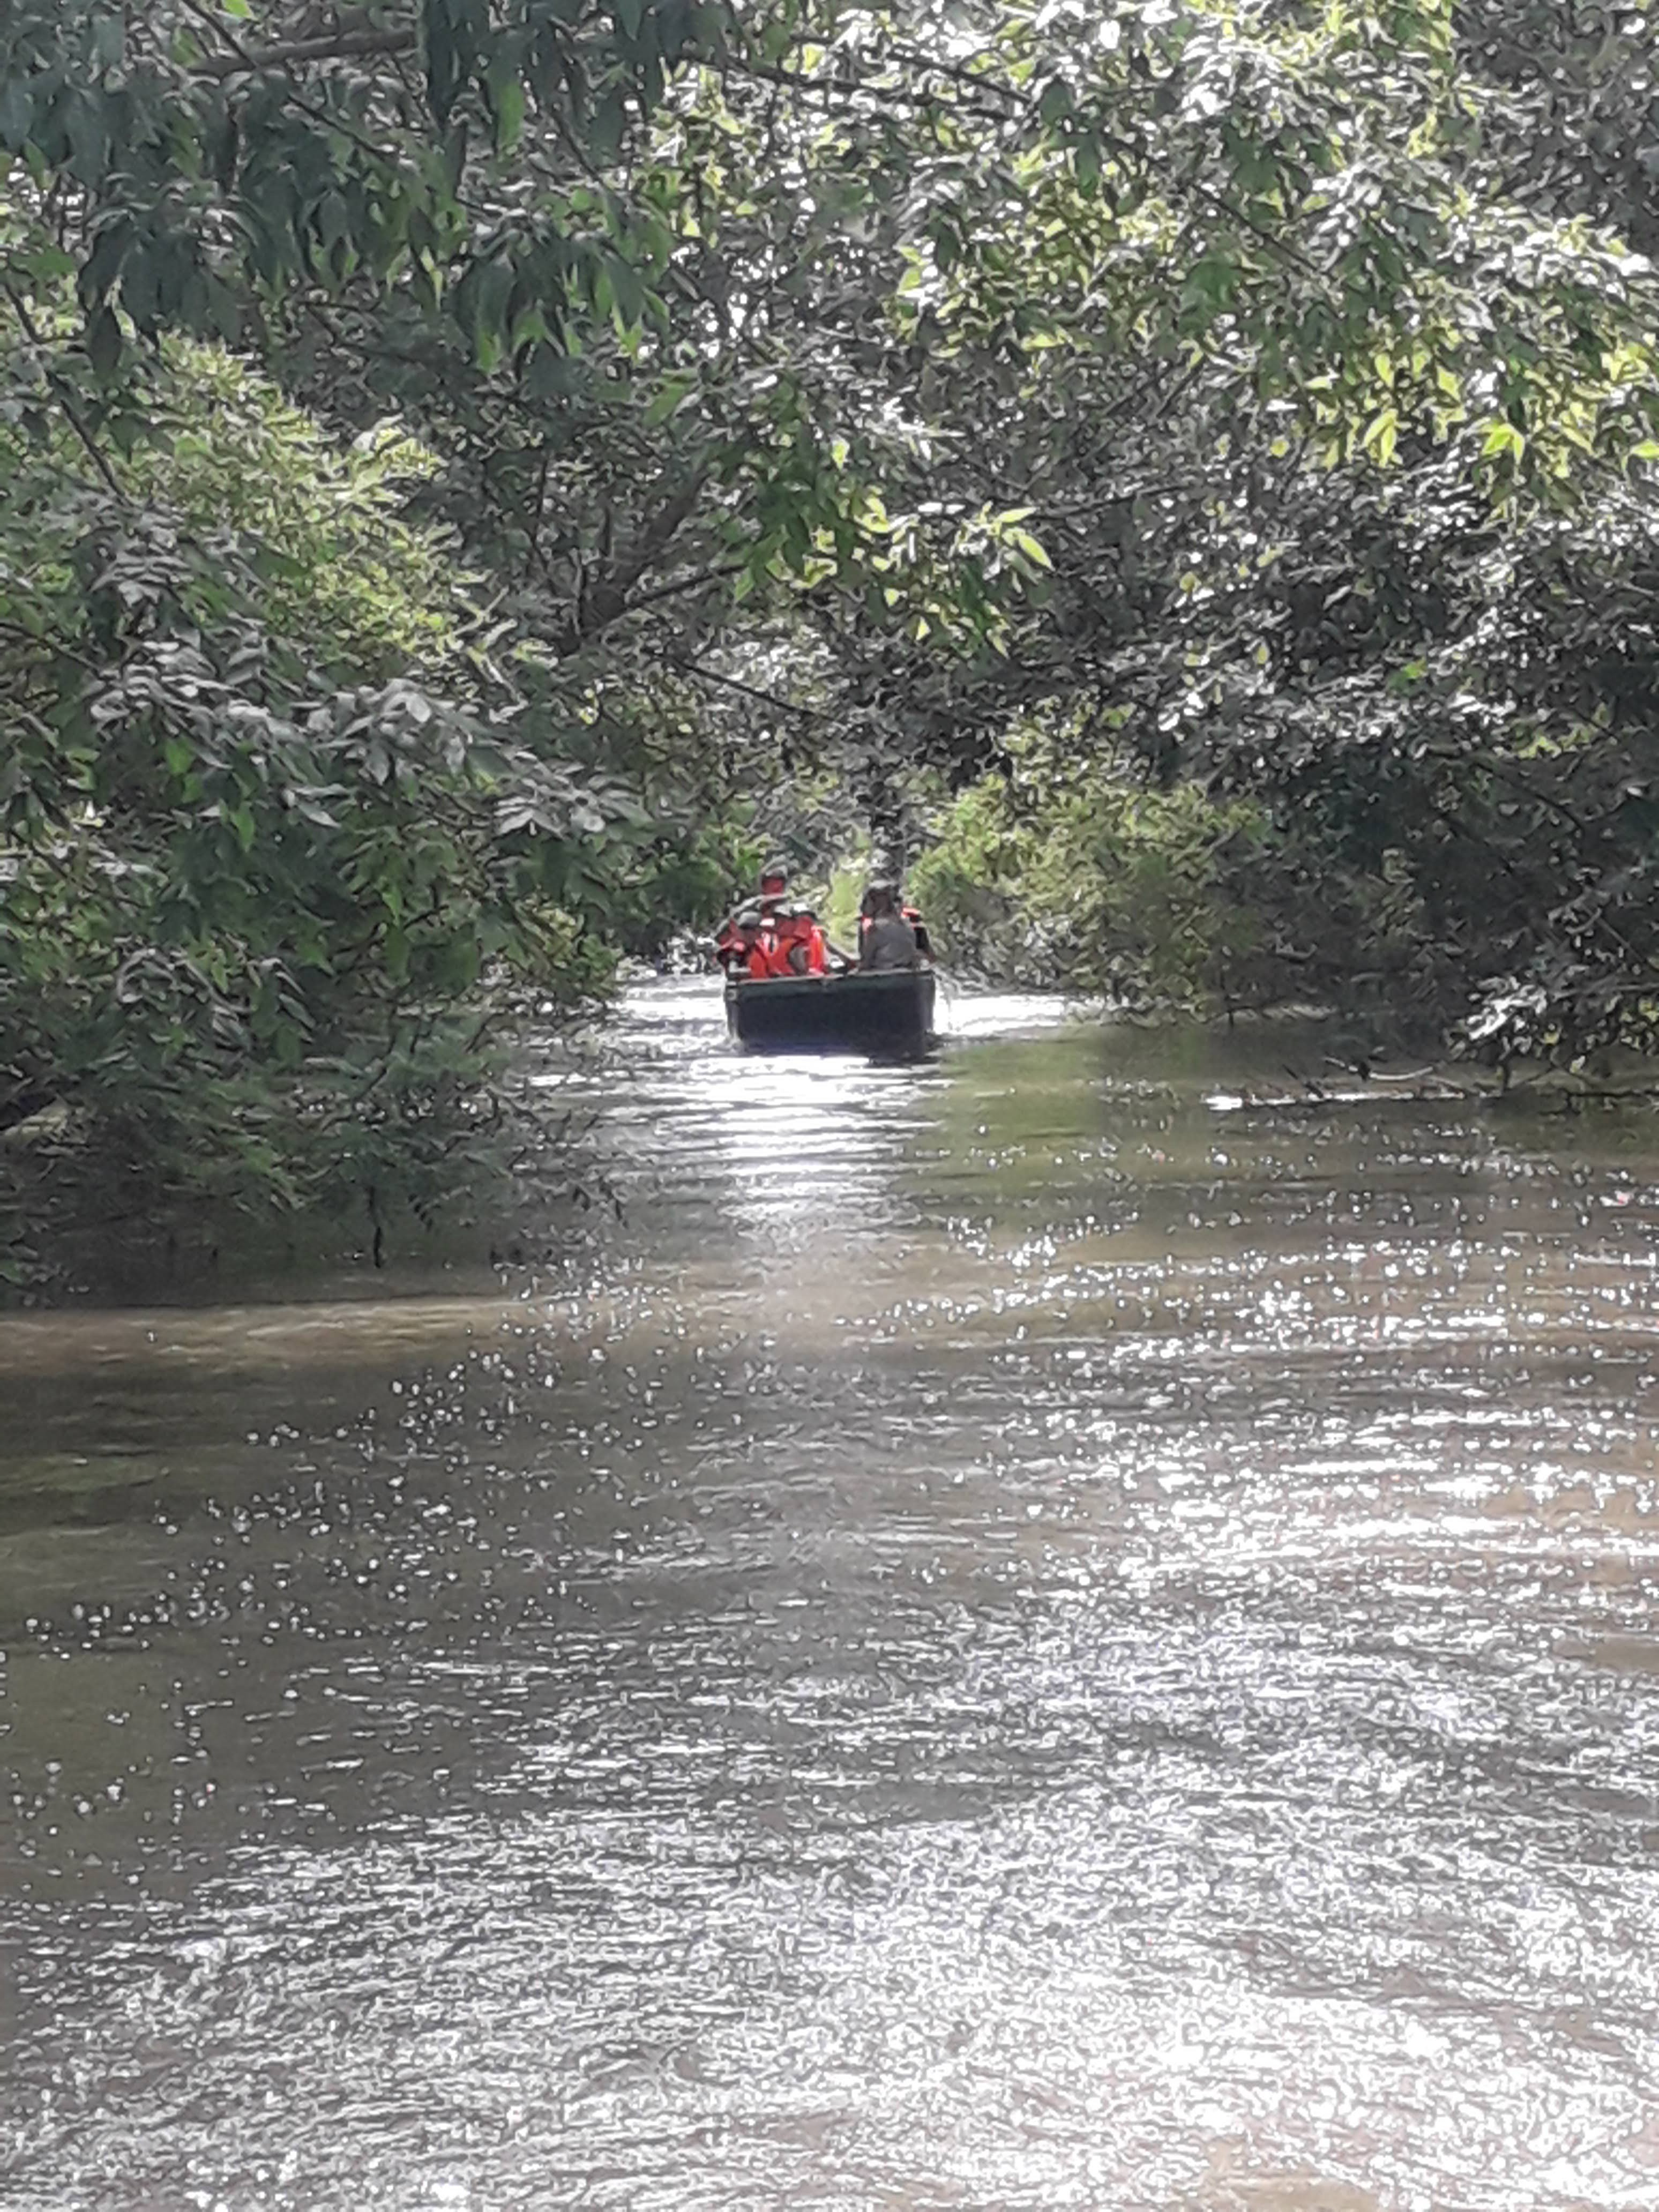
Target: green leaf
[
  {"x": 1504, "y": 438},
  {"x": 104, "y": 342},
  {"x": 508, "y": 99},
  {"x": 1380, "y": 436},
  {"x": 17, "y": 113},
  {"x": 1054, "y": 102},
  {"x": 667, "y": 402}
]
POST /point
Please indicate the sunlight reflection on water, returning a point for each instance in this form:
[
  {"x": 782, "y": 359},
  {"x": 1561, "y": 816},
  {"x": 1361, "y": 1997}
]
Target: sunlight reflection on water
[{"x": 1034, "y": 1645}]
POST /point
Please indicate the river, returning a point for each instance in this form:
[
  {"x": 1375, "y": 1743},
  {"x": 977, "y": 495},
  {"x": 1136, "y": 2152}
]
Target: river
[{"x": 1016, "y": 1633}]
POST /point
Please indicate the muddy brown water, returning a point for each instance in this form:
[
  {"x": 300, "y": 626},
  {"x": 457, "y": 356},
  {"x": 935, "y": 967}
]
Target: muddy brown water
[{"x": 1009, "y": 1638}]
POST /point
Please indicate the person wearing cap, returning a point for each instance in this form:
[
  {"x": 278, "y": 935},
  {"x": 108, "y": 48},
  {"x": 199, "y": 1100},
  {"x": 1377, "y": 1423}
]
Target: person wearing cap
[
  {"x": 791, "y": 940},
  {"x": 907, "y": 914},
  {"x": 771, "y": 936},
  {"x": 747, "y": 939},
  {"x": 886, "y": 939},
  {"x": 886, "y": 879},
  {"x": 740, "y": 936}
]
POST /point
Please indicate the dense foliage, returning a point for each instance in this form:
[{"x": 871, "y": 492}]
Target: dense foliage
[{"x": 460, "y": 454}]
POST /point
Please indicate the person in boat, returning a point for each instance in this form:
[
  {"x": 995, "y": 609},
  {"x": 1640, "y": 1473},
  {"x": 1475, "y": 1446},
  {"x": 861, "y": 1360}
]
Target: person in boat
[
  {"x": 791, "y": 941},
  {"x": 886, "y": 939},
  {"x": 788, "y": 930},
  {"x": 888, "y": 892},
  {"x": 749, "y": 939},
  {"x": 738, "y": 938},
  {"x": 795, "y": 944},
  {"x": 772, "y": 936}
]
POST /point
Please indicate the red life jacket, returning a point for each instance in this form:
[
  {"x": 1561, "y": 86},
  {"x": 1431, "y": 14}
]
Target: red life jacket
[
  {"x": 804, "y": 933},
  {"x": 766, "y": 957},
  {"x": 780, "y": 935},
  {"x": 731, "y": 945}
]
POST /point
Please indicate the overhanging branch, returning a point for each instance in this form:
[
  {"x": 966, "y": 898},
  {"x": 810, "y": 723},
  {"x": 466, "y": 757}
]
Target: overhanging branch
[{"x": 341, "y": 45}]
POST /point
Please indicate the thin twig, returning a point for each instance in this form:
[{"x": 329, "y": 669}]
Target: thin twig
[
  {"x": 66, "y": 398},
  {"x": 690, "y": 667},
  {"x": 710, "y": 575}
]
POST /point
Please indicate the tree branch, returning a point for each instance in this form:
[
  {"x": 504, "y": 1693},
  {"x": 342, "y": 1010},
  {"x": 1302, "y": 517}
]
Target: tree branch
[
  {"x": 242, "y": 58},
  {"x": 23, "y": 1105},
  {"x": 613, "y": 590},
  {"x": 690, "y": 667},
  {"x": 709, "y": 575},
  {"x": 66, "y": 398},
  {"x": 341, "y": 45}
]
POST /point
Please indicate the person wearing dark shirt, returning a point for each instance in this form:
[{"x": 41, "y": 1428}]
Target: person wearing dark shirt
[
  {"x": 905, "y": 911},
  {"x": 887, "y": 940}
]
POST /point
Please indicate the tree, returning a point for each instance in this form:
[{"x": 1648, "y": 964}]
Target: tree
[
  {"x": 258, "y": 812},
  {"x": 1243, "y": 392},
  {"x": 1338, "y": 500}
]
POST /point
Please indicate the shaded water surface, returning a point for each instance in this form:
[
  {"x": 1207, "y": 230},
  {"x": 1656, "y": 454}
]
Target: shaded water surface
[{"x": 1009, "y": 1638}]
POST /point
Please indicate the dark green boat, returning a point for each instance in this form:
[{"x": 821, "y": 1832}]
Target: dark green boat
[{"x": 887, "y": 1015}]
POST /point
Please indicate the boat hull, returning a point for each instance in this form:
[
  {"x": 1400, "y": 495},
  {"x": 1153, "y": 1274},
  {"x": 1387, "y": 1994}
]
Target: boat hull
[{"x": 889, "y": 1013}]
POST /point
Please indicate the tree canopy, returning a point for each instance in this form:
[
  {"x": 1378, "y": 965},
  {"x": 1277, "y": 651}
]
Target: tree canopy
[{"x": 457, "y": 451}]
